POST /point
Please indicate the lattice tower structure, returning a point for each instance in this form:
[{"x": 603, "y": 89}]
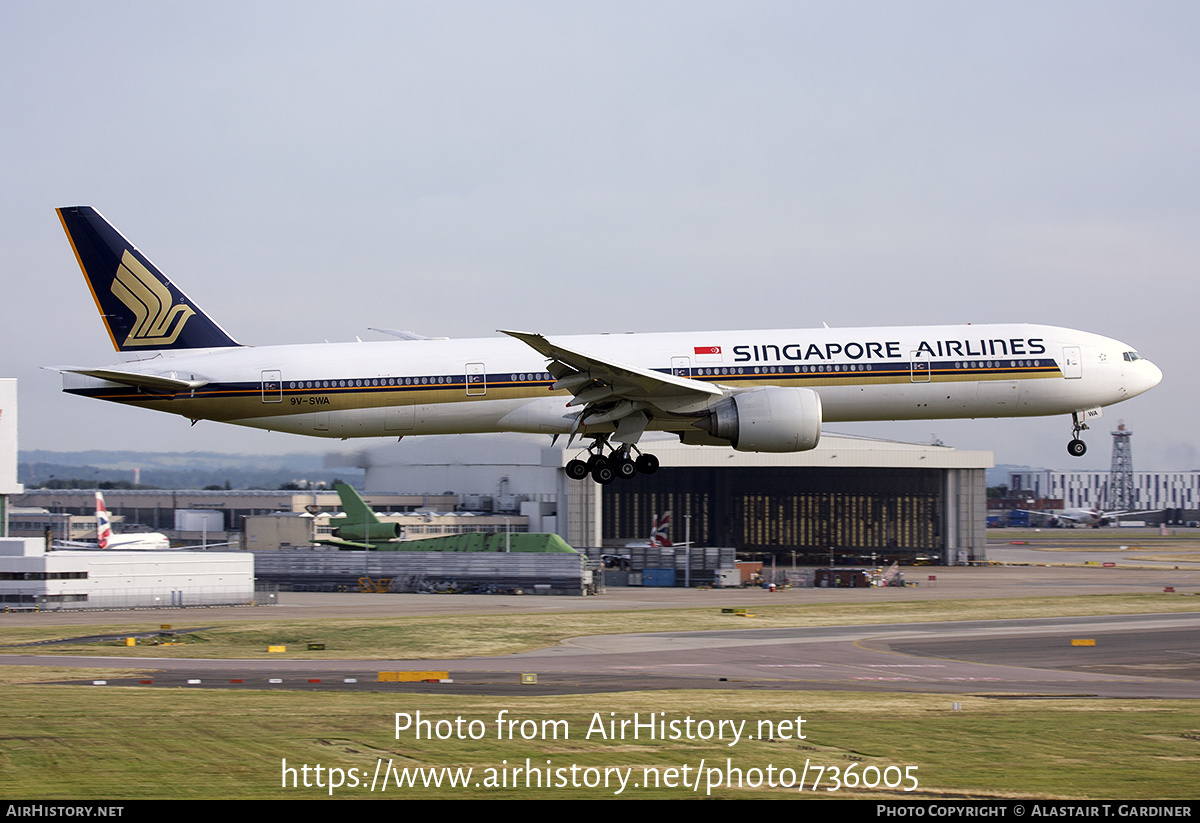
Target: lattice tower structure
[{"x": 1120, "y": 478}]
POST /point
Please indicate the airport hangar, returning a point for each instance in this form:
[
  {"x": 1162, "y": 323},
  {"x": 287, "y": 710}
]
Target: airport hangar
[{"x": 860, "y": 497}]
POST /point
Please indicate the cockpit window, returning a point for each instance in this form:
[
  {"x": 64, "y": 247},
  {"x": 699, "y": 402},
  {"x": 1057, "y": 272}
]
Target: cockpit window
[{"x": 1131, "y": 356}]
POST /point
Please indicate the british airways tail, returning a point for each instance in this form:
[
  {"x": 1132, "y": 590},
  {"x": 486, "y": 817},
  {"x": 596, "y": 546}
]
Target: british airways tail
[
  {"x": 140, "y": 307},
  {"x": 106, "y": 539},
  {"x": 104, "y": 532}
]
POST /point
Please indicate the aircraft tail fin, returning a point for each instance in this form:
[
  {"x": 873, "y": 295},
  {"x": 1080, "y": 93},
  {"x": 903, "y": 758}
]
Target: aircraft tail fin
[
  {"x": 104, "y": 530},
  {"x": 361, "y": 524},
  {"x": 660, "y": 530},
  {"x": 356, "y": 509},
  {"x": 141, "y": 308}
]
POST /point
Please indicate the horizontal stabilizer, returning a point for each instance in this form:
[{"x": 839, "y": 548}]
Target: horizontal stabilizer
[{"x": 141, "y": 381}]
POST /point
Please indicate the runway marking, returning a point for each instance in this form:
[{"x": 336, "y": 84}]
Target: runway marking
[
  {"x": 905, "y": 666},
  {"x": 664, "y": 666}
]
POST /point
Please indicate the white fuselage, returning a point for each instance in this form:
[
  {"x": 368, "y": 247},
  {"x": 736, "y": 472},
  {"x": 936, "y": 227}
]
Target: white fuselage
[
  {"x": 414, "y": 387},
  {"x": 152, "y": 542},
  {"x": 1098, "y": 517}
]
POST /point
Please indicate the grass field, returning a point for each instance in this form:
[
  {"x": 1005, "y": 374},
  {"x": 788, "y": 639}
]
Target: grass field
[
  {"x": 1185, "y": 541},
  {"x": 1128, "y": 545},
  {"x": 64, "y": 742},
  {"x": 462, "y": 636},
  {"x": 1107, "y": 534},
  {"x": 67, "y": 742}
]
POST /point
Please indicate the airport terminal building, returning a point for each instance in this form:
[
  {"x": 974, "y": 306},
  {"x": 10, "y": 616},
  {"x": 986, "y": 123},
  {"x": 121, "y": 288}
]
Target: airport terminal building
[{"x": 1084, "y": 489}]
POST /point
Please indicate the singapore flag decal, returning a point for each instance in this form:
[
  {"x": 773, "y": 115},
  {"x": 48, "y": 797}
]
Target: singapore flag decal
[{"x": 707, "y": 354}]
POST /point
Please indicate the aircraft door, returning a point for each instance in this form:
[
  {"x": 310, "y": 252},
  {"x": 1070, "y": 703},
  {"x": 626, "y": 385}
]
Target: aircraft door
[
  {"x": 1072, "y": 362},
  {"x": 476, "y": 379},
  {"x": 919, "y": 368},
  {"x": 681, "y": 366},
  {"x": 272, "y": 386}
]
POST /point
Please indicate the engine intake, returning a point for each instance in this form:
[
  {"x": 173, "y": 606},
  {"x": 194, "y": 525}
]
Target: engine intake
[{"x": 770, "y": 419}]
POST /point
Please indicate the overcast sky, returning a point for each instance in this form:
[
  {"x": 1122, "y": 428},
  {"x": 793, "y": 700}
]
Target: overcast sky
[{"x": 306, "y": 170}]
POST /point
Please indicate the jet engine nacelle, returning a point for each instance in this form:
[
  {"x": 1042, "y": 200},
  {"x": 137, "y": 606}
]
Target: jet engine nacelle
[
  {"x": 770, "y": 419},
  {"x": 363, "y": 532}
]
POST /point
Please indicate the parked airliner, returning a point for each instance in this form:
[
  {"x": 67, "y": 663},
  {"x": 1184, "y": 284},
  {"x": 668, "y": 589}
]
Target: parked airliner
[
  {"x": 108, "y": 540},
  {"x": 1093, "y": 517},
  {"x": 766, "y": 391}
]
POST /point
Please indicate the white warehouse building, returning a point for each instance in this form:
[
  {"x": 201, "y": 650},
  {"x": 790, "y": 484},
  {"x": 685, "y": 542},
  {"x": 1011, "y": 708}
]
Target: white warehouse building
[{"x": 31, "y": 577}]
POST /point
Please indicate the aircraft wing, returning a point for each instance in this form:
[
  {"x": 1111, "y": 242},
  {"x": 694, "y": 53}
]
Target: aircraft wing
[
  {"x": 612, "y": 392},
  {"x": 1044, "y": 514},
  {"x": 628, "y": 381},
  {"x": 405, "y": 334},
  {"x": 346, "y": 545},
  {"x": 1129, "y": 513},
  {"x": 75, "y": 544}
]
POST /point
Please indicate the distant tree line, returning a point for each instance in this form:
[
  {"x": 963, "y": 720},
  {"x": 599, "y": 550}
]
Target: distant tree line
[
  {"x": 125, "y": 485},
  {"x": 44, "y": 475},
  {"x": 89, "y": 483}
]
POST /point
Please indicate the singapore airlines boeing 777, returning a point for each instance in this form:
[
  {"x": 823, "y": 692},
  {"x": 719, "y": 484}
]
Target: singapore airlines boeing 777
[{"x": 766, "y": 391}]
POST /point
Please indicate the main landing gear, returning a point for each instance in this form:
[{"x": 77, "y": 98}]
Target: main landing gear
[
  {"x": 619, "y": 463},
  {"x": 1077, "y": 448}
]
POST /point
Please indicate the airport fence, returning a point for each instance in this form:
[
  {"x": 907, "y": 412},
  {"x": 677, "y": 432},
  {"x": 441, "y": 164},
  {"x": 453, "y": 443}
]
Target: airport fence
[{"x": 127, "y": 598}]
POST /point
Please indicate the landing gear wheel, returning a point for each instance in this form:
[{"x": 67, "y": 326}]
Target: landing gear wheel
[
  {"x": 1077, "y": 448},
  {"x": 602, "y": 472},
  {"x": 624, "y": 466},
  {"x": 577, "y": 469},
  {"x": 647, "y": 464}
]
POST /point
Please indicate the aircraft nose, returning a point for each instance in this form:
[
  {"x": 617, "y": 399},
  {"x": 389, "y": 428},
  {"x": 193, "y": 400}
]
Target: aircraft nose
[
  {"x": 1148, "y": 376},
  {"x": 1155, "y": 375}
]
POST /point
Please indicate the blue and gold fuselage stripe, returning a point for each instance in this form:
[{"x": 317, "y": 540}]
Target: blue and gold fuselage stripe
[{"x": 306, "y": 395}]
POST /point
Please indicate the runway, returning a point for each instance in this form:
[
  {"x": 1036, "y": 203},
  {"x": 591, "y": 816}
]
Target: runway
[{"x": 1139, "y": 656}]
